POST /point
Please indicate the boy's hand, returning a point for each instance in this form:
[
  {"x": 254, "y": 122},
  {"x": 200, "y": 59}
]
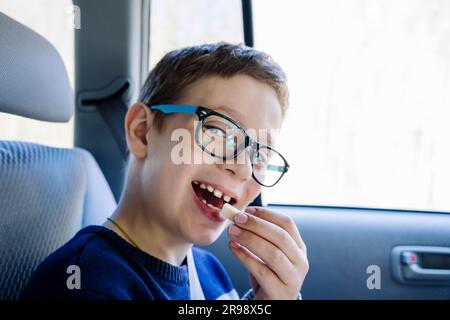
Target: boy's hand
[{"x": 270, "y": 247}]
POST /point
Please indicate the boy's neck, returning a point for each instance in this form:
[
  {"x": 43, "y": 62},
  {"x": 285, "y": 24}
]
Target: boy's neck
[{"x": 148, "y": 235}]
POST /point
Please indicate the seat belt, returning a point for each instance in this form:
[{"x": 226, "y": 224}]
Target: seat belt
[
  {"x": 113, "y": 110},
  {"x": 195, "y": 288}
]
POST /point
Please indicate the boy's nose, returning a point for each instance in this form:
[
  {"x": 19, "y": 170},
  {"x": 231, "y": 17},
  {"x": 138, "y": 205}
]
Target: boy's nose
[{"x": 240, "y": 166}]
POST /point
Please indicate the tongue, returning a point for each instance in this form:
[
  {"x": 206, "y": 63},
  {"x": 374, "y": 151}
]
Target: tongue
[{"x": 209, "y": 197}]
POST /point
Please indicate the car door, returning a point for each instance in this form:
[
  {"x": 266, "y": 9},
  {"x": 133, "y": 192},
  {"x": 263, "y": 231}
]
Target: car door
[{"x": 361, "y": 253}]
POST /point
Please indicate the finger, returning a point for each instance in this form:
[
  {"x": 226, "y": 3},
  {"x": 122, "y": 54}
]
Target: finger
[
  {"x": 281, "y": 220},
  {"x": 272, "y": 256},
  {"x": 265, "y": 277},
  {"x": 272, "y": 233}
]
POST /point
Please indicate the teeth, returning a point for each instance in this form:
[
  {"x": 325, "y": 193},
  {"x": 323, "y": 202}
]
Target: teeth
[
  {"x": 204, "y": 201},
  {"x": 216, "y": 193}
]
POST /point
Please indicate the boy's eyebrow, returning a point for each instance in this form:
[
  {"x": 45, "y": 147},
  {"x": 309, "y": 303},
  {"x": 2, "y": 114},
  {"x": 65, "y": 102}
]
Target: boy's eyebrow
[{"x": 231, "y": 112}]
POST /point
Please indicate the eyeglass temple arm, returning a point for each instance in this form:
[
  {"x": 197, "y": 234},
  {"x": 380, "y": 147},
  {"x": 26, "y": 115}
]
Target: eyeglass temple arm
[{"x": 175, "y": 108}]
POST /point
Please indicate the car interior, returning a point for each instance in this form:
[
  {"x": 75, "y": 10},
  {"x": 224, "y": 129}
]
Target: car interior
[{"x": 48, "y": 193}]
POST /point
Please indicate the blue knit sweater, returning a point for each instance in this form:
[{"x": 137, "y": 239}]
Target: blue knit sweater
[{"x": 111, "y": 268}]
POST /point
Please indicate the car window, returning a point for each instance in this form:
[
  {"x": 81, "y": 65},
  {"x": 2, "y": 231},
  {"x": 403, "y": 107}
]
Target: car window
[
  {"x": 54, "y": 20},
  {"x": 369, "y": 87},
  {"x": 176, "y": 24}
]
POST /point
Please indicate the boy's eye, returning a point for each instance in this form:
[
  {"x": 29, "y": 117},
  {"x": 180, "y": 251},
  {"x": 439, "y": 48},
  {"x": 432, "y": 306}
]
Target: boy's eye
[
  {"x": 215, "y": 131},
  {"x": 260, "y": 157},
  {"x": 221, "y": 138}
]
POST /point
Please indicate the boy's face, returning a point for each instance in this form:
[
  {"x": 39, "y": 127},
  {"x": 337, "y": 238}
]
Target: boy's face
[{"x": 169, "y": 191}]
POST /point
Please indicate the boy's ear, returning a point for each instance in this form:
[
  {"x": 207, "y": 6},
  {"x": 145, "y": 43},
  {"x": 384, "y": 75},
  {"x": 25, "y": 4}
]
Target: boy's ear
[{"x": 138, "y": 122}]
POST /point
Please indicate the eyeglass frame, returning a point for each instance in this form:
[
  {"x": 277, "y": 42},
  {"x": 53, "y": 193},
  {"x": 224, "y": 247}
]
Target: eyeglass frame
[{"x": 203, "y": 112}]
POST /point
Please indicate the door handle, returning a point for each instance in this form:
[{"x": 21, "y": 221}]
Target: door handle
[
  {"x": 416, "y": 272},
  {"x": 425, "y": 265}
]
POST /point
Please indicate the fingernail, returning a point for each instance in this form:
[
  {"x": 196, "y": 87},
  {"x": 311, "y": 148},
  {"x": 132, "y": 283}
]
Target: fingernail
[
  {"x": 250, "y": 210},
  {"x": 240, "y": 218},
  {"x": 235, "y": 231},
  {"x": 234, "y": 244}
]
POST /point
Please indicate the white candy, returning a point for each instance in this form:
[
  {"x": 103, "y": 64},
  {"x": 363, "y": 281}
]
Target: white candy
[{"x": 228, "y": 211}]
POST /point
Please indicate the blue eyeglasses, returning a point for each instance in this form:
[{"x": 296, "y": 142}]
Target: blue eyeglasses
[{"x": 223, "y": 138}]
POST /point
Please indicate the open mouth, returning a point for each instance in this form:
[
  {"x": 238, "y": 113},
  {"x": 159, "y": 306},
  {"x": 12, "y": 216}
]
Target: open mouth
[{"x": 211, "y": 196}]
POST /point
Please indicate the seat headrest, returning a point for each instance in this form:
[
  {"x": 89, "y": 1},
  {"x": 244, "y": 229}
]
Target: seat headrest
[{"x": 33, "y": 78}]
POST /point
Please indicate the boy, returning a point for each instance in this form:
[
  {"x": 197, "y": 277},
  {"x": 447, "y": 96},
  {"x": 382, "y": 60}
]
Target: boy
[{"x": 217, "y": 93}]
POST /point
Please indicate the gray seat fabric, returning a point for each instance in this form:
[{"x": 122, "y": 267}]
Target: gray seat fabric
[{"x": 46, "y": 195}]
